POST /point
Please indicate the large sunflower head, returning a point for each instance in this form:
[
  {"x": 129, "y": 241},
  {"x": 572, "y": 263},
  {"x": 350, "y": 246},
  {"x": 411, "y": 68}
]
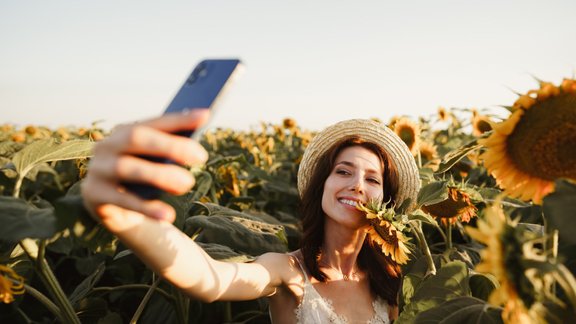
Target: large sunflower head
[
  {"x": 505, "y": 255},
  {"x": 458, "y": 205},
  {"x": 10, "y": 284},
  {"x": 409, "y": 132},
  {"x": 535, "y": 145},
  {"x": 386, "y": 230}
]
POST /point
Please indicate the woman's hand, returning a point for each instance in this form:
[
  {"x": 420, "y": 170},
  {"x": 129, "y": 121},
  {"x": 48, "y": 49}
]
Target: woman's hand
[{"x": 116, "y": 160}]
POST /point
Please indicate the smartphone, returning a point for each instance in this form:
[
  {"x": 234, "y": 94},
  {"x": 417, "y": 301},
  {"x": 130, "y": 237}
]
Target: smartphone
[{"x": 207, "y": 82}]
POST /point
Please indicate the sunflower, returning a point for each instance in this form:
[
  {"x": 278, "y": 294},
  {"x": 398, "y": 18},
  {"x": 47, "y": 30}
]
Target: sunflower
[
  {"x": 228, "y": 175},
  {"x": 443, "y": 115},
  {"x": 480, "y": 124},
  {"x": 503, "y": 257},
  {"x": 8, "y": 287},
  {"x": 289, "y": 123},
  {"x": 535, "y": 145},
  {"x": 409, "y": 132},
  {"x": 429, "y": 155},
  {"x": 386, "y": 231},
  {"x": 393, "y": 121},
  {"x": 458, "y": 206}
]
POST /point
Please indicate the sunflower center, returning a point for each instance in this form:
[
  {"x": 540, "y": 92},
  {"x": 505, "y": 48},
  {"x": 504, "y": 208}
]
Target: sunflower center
[
  {"x": 542, "y": 143},
  {"x": 407, "y": 135},
  {"x": 483, "y": 126},
  {"x": 457, "y": 204},
  {"x": 391, "y": 239},
  {"x": 387, "y": 234}
]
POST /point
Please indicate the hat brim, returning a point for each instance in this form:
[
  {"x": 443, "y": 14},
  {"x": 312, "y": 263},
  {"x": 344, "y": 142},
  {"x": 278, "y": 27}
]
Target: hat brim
[{"x": 370, "y": 131}]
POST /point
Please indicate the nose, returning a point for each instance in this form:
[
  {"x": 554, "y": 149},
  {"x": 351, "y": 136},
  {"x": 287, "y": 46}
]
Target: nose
[{"x": 357, "y": 185}]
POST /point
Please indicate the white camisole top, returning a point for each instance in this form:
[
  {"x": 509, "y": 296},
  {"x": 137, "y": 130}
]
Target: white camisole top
[{"x": 316, "y": 309}]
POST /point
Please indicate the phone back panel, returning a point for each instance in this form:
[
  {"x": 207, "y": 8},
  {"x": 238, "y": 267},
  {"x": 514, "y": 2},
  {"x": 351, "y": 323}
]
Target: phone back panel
[{"x": 203, "y": 85}]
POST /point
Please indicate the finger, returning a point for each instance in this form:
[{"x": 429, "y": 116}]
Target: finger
[
  {"x": 112, "y": 205},
  {"x": 174, "y": 122},
  {"x": 144, "y": 140},
  {"x": 127, "y": 168}
]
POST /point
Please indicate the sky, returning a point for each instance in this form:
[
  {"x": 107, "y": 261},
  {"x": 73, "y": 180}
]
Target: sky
[{"x": 74, "y": 63}]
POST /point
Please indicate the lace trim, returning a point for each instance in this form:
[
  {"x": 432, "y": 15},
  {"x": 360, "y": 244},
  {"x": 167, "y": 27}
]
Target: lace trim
[
  {"x": 314, "y": 305},
  {"x": 317, "y": 303},
  {"x": 319, "y": 309}
]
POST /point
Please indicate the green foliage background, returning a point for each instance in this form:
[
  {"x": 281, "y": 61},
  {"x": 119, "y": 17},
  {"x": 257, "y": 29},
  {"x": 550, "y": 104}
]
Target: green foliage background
[{"x": 244, "y": 204}]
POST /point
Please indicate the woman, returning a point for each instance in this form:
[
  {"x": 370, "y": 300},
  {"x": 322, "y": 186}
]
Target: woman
[{"x": 337, "y": 276}]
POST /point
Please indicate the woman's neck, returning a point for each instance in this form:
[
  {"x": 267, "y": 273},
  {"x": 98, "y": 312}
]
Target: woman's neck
[{"x": 340, "y": 250}]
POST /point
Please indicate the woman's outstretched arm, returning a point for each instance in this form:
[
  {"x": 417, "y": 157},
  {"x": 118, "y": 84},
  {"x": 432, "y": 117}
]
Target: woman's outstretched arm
[{"x": 145, "y": 226}]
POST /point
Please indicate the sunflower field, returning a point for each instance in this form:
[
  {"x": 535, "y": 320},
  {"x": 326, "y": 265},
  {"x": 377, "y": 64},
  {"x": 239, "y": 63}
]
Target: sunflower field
[{"x": 492, "y": 238}]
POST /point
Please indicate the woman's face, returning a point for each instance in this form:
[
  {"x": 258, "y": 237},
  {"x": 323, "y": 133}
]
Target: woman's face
[{"x": 355, "y": 177}]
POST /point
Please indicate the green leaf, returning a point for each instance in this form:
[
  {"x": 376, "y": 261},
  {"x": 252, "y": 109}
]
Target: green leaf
[
  {"x": 433, "y": 193},
  {"x": 111, "y": 318},
  {"x": 204, "y": 182},
  {"x": 159, "y": 310},
  {"x": 426, "y": 175},
  {"x": 450, "y": 281},
  {"x": 22, "y": 220},
  {"x": 419, "y": 215},
  {"x": 482, "y": 285},
  {"x": 491, "y": 195},
  {"x": 9, "y": 148},
  {"x": 92, "y": 308},
  {"x": 49, "y": 150},
  {"x": 224, "y": 253},
  {"x": 453, "y": 157},
  {"x": 85, "y": 287},
  {"x": 71, "y": 213},
  {"x": 461, "y": 310},
  {"x": 559, "y": 208},
  {"x": 239, "y": 231}
]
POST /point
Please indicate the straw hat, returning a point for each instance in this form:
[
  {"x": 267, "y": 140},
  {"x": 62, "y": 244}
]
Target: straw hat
[{"x": 370, "y": 131}]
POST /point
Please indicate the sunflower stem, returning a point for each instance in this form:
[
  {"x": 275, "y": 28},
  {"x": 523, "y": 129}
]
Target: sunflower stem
[
  {"x": 144, "y": 301},
  {"x": 448, "y": 236},
  {"x": 425, "y": 249},
  {"x": 131, "y": 287},
  {"x": 32, "y": 250},
  {"x": 182, "y": 304},
  {"x": 44, "y": 301},
  {"x": 227, "y": 311}
]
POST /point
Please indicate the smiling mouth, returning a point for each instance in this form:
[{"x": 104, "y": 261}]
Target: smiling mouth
[{"x": 349, "y": 202}]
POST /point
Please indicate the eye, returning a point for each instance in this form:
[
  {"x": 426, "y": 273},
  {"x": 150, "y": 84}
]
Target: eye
[
  {"x": 342, "y": 172},
  {"x": 374, "y": 180}
]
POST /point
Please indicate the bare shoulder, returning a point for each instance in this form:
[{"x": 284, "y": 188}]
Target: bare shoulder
[
  {"x": 283, "y": 267},
  {"x": 288, "y": 293}
]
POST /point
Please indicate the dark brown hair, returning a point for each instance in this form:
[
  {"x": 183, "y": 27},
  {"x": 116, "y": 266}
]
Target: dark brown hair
[{"x": 371, "y": 259}]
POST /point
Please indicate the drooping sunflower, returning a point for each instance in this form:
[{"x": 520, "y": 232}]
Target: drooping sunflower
[
  {"x": 409, "y": 132},
  {"x": 503, "y": 257},
  {"x": 458, "y": 206},
  {"x": 10, "y": 284},
  {"x": 535, "y": 145},
  {"x": 386, "y": 231}
]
